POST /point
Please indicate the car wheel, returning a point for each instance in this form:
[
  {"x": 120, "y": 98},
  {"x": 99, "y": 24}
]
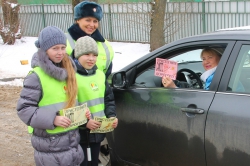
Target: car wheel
[{"x": 104, "y": 156}]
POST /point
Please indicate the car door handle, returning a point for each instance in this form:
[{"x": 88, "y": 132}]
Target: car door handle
[{"x": 192, "y": 110}]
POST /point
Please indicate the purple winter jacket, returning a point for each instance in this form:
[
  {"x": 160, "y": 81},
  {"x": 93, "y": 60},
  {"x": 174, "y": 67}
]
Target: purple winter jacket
[{"x": 50, "y": 149}]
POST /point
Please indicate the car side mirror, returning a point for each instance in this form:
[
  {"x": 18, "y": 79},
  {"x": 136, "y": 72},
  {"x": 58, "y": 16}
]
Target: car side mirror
[{"x": 118, "y": 80}]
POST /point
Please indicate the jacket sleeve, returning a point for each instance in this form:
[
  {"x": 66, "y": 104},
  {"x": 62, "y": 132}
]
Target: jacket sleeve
[
  {"x": 109, "y": 71},
  {"x": 27, "y": 105},
  {"x": 109, "y": 102}
]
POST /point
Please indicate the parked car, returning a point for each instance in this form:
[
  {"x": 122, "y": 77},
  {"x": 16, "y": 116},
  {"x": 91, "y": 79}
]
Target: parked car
[{"x": 185, "y": 126}]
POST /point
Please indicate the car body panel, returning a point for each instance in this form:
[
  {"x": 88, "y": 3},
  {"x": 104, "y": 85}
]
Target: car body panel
[
  {"x": 155, "y": 122},
  {"x": 155, "y": 130},
  {"x": 227, "y": 130}
]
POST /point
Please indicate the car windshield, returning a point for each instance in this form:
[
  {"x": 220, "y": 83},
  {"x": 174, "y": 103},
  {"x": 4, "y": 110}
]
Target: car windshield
[
  {"x": 188, "y": 56},
  {"x": 190, "y": 60},
  {"x": 195, "y": 66}
]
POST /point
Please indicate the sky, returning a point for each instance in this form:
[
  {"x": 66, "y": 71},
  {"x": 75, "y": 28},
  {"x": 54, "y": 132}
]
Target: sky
[{"x": 24, "y": 48}]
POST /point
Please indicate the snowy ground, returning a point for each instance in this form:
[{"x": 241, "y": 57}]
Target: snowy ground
[
  {"x": 11, "y": 55},
  {"x": 15, "y": 145}
]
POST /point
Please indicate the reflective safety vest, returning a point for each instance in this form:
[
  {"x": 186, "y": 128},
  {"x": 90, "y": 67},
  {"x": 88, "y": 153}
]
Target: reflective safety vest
[
  {"x": 91, "y": 89},
  {"x": 105, "y": 52},
  {"x": 54, "y": 97}
]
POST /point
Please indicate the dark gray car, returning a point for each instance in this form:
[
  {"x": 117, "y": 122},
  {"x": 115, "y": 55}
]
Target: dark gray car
[{"x": 187, "y": 125}]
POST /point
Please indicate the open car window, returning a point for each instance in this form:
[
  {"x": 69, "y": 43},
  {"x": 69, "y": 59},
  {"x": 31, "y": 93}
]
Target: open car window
[
  {"x": 190, "y": 59},
  {"x": 188, "y": 56}
]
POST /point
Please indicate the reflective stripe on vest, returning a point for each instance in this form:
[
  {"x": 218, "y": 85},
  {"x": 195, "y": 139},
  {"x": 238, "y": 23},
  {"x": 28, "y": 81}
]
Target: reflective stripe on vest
[
  {"x": 92, "y": 90},
  {"x": 70, "y": 41},
  {"x": 105, "y": 52},
  {"x": 105, "y": 56},
  {"x": 54, "y": 97}
]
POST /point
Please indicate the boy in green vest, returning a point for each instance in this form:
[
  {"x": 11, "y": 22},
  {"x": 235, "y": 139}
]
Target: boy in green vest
[{"x": 93, "y": 89}]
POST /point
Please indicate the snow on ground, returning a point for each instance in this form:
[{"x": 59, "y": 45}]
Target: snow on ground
[{"x": 24, "y": 48}]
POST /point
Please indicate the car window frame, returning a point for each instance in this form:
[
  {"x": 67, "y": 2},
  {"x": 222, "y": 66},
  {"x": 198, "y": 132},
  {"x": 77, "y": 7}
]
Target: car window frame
[
  {"x": 175, "y": 49},
  {"x": 229, "y": 66}
]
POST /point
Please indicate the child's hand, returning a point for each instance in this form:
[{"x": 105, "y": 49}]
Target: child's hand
[
  {"x": 115, "y": 124},
  {"x": 92, "y": 124},
  {"x": 62, "y": 121},
  {"x": 88, "y": 114}
]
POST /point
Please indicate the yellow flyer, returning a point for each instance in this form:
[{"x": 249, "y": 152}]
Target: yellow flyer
[
  {"x": 106, "y": 125},
  {"x": 77, "y": 115}
]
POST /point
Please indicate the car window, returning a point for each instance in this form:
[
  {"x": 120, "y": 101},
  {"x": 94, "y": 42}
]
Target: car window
[
  {"x": 240, "y": 78},
  {"x": 187, "y": 59},
  {"x": 193, "y": 55}
]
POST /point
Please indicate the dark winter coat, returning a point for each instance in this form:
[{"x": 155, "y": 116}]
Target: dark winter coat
[{"x": 50, "y": 149}]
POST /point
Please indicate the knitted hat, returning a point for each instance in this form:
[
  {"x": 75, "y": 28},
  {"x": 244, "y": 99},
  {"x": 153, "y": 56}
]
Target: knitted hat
[
  {"x": 88, "y": 9},
  {"x": 219, "y": 51},
  {"x": 49, "y": 37},
  {"x": 85, "y": 45}
]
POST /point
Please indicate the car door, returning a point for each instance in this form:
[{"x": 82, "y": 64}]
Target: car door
[
  {"x": 228, "y": 121},
  {"x": 162, "y": 126}
]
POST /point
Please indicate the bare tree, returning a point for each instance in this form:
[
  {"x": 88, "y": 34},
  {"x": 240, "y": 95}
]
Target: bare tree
[
  {"x": 74, "y": 3},
  {"x": 10, "y": 24},
  {"x": 161, "y": 22},
  {"x": 157, "y": 37}
]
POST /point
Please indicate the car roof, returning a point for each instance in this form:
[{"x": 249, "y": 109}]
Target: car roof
[
  {"x": 237, "y": 33},
  {"x": 236, "y": 28}
]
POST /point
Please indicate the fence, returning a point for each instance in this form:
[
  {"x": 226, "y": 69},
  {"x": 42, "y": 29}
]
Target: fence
[{"x": 130, "y": 22}]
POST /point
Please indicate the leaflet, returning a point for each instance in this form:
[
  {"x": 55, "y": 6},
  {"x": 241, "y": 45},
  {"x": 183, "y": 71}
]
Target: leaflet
[
  {"x": 106, "y": 125},
  {"x": 77, "y": 115},
  {"x": 164, "y": 67}
]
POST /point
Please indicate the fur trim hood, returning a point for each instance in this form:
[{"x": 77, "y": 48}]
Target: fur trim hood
[{"x": 41, "y": 59}]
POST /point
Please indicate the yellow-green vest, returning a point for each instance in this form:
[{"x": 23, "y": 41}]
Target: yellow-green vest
[
  {"x": 91, "y": 89},
  {"x": 105, "y": 53},
  {"x": 54, "y": 97}
]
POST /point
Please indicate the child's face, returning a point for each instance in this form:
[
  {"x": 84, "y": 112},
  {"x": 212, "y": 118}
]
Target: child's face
[
  {"x": 209, "y": 60},
  {"x": 88, "y": 61},
  {"x": 88, "y": 24},
  {"x": 56, "y": 53}
]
